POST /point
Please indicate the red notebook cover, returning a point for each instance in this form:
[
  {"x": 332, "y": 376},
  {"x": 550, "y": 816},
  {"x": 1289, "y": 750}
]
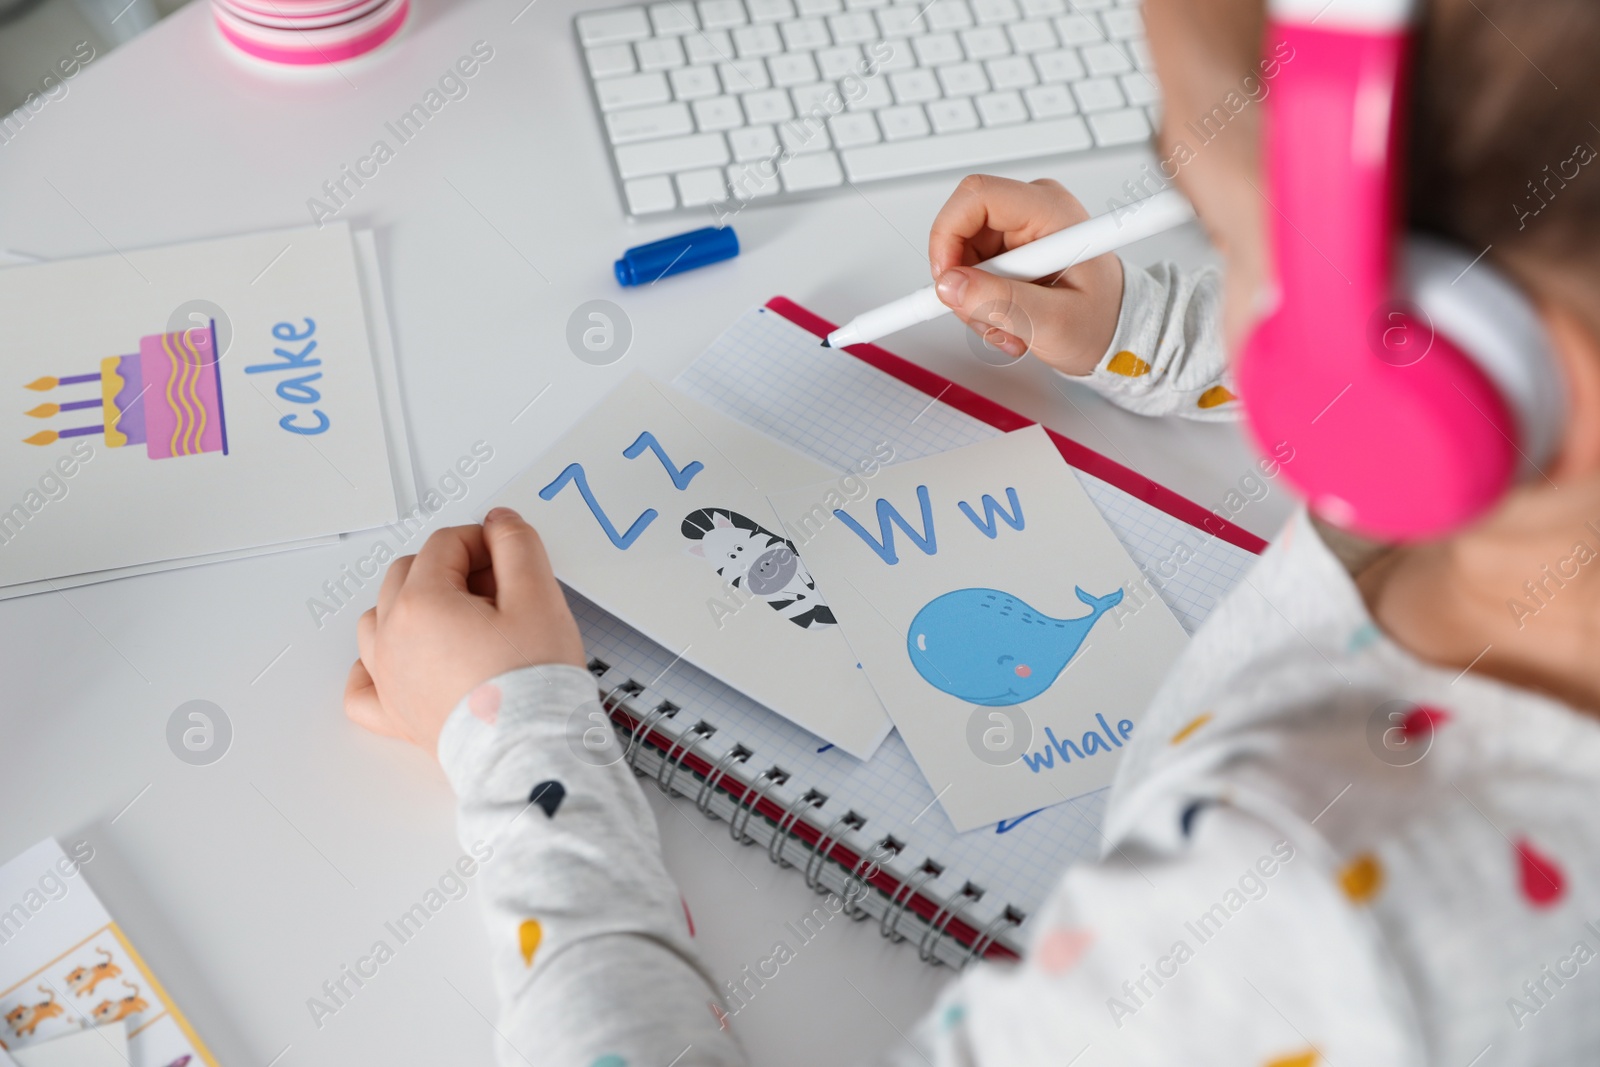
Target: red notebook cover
[{"x": 1003, "y": 418}]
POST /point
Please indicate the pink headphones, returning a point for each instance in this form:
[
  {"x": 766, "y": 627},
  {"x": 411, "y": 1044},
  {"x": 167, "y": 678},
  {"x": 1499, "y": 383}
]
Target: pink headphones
[{"x": 1413, "y": 382}]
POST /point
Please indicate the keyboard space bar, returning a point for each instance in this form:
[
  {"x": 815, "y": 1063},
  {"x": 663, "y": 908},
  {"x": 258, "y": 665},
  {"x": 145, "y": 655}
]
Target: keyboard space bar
[{"x": 999, "y": 144}]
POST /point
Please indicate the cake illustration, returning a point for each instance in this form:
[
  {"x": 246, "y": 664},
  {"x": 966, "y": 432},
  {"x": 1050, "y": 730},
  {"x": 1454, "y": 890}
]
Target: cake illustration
[{"x": 167, "y": 396}]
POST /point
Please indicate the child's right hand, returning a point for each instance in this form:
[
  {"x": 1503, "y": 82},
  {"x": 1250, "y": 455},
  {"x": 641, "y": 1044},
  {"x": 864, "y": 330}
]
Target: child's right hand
[
  {"x": 476, "y": 602},
  {"x": 1067, "y": 320}
]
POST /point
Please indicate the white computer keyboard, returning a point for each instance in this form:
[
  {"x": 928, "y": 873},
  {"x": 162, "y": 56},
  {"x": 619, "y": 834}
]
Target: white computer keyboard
[{"x": 733, "y": 101}]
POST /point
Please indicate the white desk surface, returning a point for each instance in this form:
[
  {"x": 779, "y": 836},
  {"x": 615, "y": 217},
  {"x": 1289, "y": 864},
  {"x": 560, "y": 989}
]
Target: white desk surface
[{"x": 248, "y": 883}]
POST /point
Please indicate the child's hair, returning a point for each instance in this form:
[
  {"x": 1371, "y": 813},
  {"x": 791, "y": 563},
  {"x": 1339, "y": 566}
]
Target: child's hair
[{"x": 1504, "y": 147}]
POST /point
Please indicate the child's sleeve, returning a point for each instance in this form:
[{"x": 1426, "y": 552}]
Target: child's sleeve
[
  {"x": 590, "y": 939},
  {"x": 1167, "y": 355}
]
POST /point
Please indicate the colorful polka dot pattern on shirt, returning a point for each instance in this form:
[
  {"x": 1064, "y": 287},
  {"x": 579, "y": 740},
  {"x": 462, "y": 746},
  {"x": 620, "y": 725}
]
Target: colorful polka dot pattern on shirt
[
  {"x": 1542, "y": 880},
  {"x": 529, "y": 934},
  {"x": 1362, "y": 878},
  {"x": 1128, "y": 365},
  {"x": 484, "y": 703}
]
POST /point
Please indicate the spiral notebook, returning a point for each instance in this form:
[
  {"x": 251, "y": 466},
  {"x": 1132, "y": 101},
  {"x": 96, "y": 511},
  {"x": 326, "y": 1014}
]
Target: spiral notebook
[{"x": 871, "y": 831}]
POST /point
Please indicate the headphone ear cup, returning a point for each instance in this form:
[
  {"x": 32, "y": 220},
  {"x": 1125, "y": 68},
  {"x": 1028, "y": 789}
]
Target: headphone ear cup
[{"x": 1488, "y": 320}]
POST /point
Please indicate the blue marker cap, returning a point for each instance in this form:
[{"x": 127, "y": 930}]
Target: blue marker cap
[{"x": 674, "y": 255}]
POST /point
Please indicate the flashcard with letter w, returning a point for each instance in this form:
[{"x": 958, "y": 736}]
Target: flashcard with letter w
[
  {"x": 654, "y": 507},
  {"x": 984, "y": 595}
]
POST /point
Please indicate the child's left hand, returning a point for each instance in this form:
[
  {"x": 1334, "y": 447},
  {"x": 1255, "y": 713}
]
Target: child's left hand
[{"x": 476, "y": 602}]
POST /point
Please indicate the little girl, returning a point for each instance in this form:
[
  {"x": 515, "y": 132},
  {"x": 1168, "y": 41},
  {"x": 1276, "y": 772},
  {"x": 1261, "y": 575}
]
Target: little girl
[{"x": 1358, "y": 826}]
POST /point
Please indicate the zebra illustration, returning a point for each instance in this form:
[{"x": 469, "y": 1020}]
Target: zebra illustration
[{"x": 754, "y": 559}]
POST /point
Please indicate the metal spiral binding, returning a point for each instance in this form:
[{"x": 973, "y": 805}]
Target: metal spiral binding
[
  {"x": 677, "y": 747},
  {"x": 719, "y": 771},
  {"x": 670, "y": 767},
  {"x": 780, "y": 839},
  {"x": 986, "y": 936},
  {"x": 889, "y": 925},
  {"x": 736, "y": 827},
  {"x": 819, "y": 853},
  {"x": 936, "y": 928}
]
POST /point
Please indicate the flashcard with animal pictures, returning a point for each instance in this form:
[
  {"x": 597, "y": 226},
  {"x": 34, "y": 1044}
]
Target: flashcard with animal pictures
[
  {"x": 654, "y": 507},
  {"x": 199, "y": 398},
  {"x": 66, "y": 966},
  {"x": 998, "y": 618}
]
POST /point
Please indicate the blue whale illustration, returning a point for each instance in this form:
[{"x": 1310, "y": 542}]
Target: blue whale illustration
[{"x": 987, "y": 647}]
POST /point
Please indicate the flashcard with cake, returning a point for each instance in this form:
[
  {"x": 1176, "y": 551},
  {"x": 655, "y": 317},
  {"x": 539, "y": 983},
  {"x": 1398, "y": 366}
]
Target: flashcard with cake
[
  {"x": 993, "y": 609},
  {"x": 654, "y": 507},
  {"x": 194, "y": 399},
  {"x": 166, "y": 396},
  {"x": 66, "y": 966}
]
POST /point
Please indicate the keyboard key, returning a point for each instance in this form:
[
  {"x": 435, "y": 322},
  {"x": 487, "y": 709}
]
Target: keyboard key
[
  {"x": 1098, "y": 94},
  {"x": 835, "y": 63},
  {"x": 1101, "y": 59},
  {"x": 633, "y": 90},
  {"x": 718, "y": 113},
  {"x": 1001, "y": 109},
  {"x": 697, "y": 187},
  {"x": 1050, "y": 101},
  {"x": 851, "y": 129},
  {"x": 752, "y": 180},
  {"x": 1078, "y": 29},
  {"x": 819, "y": 170},
  {"x": 803, "y": 35},
  {"x": 986, "y": 42},
  {"x": 948, "y": 15},
  {"x": 671, "y": 155},
  {"x": 1060, "y": 66},
  {"x": 610, "y": 27},
  {"x": 659, "y": 54},
  {"x": 673, "y": 17},
  {"x": 713, "y": 46},
  {"x": 813, "y": 98},
  {"x": 902, "y": 20},
  {"x": 976, "y": 148},
  {"x": 809, "y": 8},
  {"x": 1123, "y": 24},
  {"x": 902, "y": 123},
  {"x": 853, "y": 27},
  {"x": 1035, "y": 36},
  {"x": 949, "y": 116},
  {"x": 1039, "y": 9},
  {"x": 1012, "y": 72},
  {"x": 757, "y": 41},
  {"x": 793, "y": 68},
  {"x": 648, "y": 123},
  {"x": 1139, "y": 88},
  {"x": 752, "y": 142},
  {"x": 1128, "y": 126},
  {"x": 991, "y": 11},
  {"x": 901, "y": 55},
  {"x": 938, "y": 48},
  {"x": 862, "y": 5},
  {"x": 771, "y": 105},
  {"x": 609, "y": 60},
  {"x": 743, "y": 75},
  {"x": 646, "y": 195},
  {"x": 804, "y": 135},
  {"x": 876, "y": 96},
  {"x": 1141, "y": 55},
  {"x": 914, "y": 86},
  {"x": 770, "y": 10},
  {"x": 720, "y": 14},
  {"x": 964, "y": 79}
]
